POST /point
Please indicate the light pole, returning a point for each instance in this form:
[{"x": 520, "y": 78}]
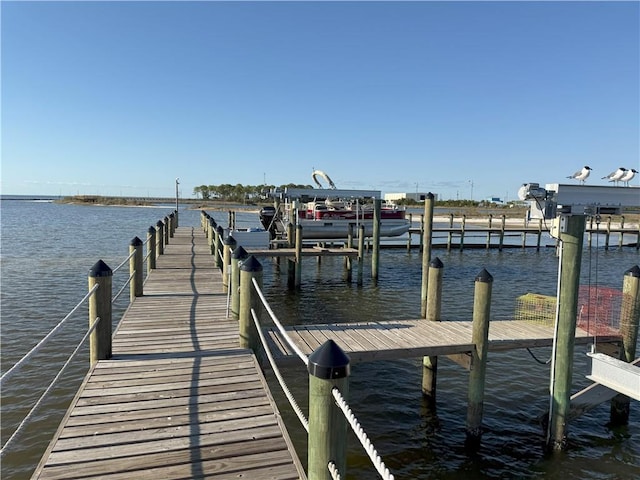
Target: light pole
[{"x": 471, "y": 182}]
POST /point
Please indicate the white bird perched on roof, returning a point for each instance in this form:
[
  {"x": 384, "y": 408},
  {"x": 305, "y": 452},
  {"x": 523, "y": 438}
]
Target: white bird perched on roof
[
  {"x": 581, "y": 175},
  {"x": 616, "y": 175},
  {"x": 628, "y": 176}
]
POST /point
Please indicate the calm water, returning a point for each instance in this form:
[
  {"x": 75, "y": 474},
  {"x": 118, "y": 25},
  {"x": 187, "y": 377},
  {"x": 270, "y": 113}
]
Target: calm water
[{"x": 47, "y": 250}]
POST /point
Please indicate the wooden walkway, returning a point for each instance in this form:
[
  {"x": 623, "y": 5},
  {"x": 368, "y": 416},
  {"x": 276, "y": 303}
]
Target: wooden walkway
[
  {"x": 179, "y": 399},
  {"x": 368, "y": 341}
]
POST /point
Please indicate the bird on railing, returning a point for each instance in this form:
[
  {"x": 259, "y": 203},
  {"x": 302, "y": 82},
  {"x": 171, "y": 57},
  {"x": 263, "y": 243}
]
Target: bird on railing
[
  {"x": 581, "y": 175},
  {"x": 616, "y": 175},
  {"x": 628, "y": 176}
]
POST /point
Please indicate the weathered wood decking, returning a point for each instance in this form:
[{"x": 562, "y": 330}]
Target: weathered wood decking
[
  {"x": 367, "y": 341},
  {"x": 179, "y": 399}
]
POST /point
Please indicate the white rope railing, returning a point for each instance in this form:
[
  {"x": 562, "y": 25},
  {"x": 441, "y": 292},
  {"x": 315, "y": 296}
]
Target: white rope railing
[
  {"x": 37, "y": 347},
  {"x": 333, "y": 471},
  {"x": 123, "y": 263},
  {"x": 362, "y": 436},
  {"x": 276, "y": 371},
  {"x": 48, "y": 389},
  {"x": 275, "y": 320},
  {"x": 115, "y": 297}
]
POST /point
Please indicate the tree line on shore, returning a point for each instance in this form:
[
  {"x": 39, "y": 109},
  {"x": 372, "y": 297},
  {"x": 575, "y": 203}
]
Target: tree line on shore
[{"x": 238, "y": 193}]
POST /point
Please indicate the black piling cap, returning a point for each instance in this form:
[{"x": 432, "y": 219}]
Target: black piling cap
[
  {"x": 135, "y": 242},
  {"x": 484, "y": 277},
  {"x": 430, "y": 196},
  {"x": 159, "y": 224},
  {"x": 100, "y": 269},
  {"x": 230, "y": 241},
  {"x": 171, "y": 215},
  {"x": 212, "y": 222},
  {"x": 251, "y": 264},
  {"x": 329, "y": 362},
  {"x": 220, "y": 230},
  {"x": 239, "y": 253},
  {"x": 436, "y": 263},
  {"x": 633, "y": 271},
  {"x": 151, "y": 230}
]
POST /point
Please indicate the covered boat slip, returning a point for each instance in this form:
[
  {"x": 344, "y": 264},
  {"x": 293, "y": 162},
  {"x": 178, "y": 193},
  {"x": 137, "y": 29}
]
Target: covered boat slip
[{"x": 179, "y": 398}]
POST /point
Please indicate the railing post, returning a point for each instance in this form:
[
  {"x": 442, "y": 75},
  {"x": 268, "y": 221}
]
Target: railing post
[
  {"x": 434, "y": 306},
  {"x": 135, "y": 269},
  {"x": 151, "y": 249},
  {"x": 629, "y": 320},
  {"x": 328, "y": 368},
  {"x": 250, "y": 269},
  {"x": 100, "y": 307},
  {"x": 172, "y": 224},
  {"x": 479, "y": 338},
  {"x": 219, "y": 248},
  {"x": 211, "y": 228},
  {"x": 229, "y": 245},
  {"x": 238, "y": 255},
  {"x": 427, "y": 236},
  {"x": 166, "y": 230},
  {"x": 160, "y": 233}
]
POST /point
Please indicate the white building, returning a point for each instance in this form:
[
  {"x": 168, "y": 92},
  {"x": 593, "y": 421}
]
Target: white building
[{"x": 416, "y": 196}]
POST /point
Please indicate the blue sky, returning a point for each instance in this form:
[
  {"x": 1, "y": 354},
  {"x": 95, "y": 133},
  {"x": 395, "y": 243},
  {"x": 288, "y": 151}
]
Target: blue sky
[{"x": 120, "y": 98}]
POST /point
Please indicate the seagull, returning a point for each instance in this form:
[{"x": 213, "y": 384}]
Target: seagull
[
  {"x": 581, "y": 175},
  {"x": 616, "y": 175},
  {"x": 628, "y": 176}
]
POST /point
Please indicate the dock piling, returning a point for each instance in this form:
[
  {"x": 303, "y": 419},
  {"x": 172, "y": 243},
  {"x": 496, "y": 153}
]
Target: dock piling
[
  {"x": 480, "y": 340},
  {"x": 135, "y": 269},
  {"x": 427, "y": 238},
  {"x": 237, "y": 256},
  {"x": 328, "y": 369},
  {"x": 434, "y": 308},
  {"x": 100, "y": 307},
  {"x": 250, "y": 269},
  {"x": 151, "y": 249}
]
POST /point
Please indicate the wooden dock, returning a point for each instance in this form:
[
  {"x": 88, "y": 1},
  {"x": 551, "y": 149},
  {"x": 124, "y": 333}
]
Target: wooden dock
[
  {"x": 179, "y": 398},
  {"x": 390, "y": 340}
]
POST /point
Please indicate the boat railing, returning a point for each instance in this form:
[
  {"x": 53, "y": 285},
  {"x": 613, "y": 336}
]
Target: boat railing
[
  {"x": 333, "y": 463},
  {"x": 136, "y": 261}
]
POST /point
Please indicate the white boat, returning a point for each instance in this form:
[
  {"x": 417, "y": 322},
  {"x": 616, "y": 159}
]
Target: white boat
[
  {"x": 249, "y": 237},
  {"x": 328, "y": 214}
]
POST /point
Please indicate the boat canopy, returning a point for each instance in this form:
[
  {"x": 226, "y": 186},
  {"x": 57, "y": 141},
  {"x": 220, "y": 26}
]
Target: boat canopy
[{"x": 323, "y": 193}]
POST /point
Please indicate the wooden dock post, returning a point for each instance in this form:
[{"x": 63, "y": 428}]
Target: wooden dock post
[
  {"x": 620, "y": 239},
  {"x": 219, "y": 236},
  {"x": 434, "y": 307},
  {"x": 211, "y": 234},
  {"x": 629, "y": 320},
  {"x": 607, "y": 236},
  {"x": 502, "y": 227},
  {"x": 360, "y": 253},
  {"x": 172, "y": 224},
  {"x": 562, "y": 358},
  {"x": 450, "y": 235},
  {"x": 488, "y": 245},
  {"x": 229, "y": 244},
  {"x": 409, "y": 233},
  {"x": 328, "y": 369},
  {"x": 298, "y": 258},
  {"x": 160, "y": 233},
  {"x": 237, "y": 256},
  {"x": 100, "y": 307},
  {"x": 427, "y": 238},
  {"x": 375, "y": 256},
  {"x": 462, "y": 227},
  {"x": 480, "y": 339},
  {"x": 167, "y": 227},
  {"x": 249, "y": 269},
  {"x": 151, "y": 249},
  {"x": 135, "y": 269}
]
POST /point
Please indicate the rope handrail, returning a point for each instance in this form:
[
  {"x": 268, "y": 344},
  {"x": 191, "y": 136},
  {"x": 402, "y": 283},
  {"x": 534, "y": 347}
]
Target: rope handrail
[
  {"x": 123, "y": 263},
  {"x": 333, "y": 471},
  {"x": 115, "y": 297},
  {"x": 362, "y": 436},
  {"x": 276, "y": 371},
  {"x": 48, "y": 389},
  {"x": 9, "y": 372},
  {"x": 275, "y": 320}
]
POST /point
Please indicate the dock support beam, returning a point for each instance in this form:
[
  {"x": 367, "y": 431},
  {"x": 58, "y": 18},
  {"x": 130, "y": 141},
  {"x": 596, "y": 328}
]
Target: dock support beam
[
  {"x": 571, "y": 234},
  {"x": 480, "y": 339},
  {"x": 629, "y": 320},
  {"x": 100, "y": 308},
  {"x": 328, "y": 369}
]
